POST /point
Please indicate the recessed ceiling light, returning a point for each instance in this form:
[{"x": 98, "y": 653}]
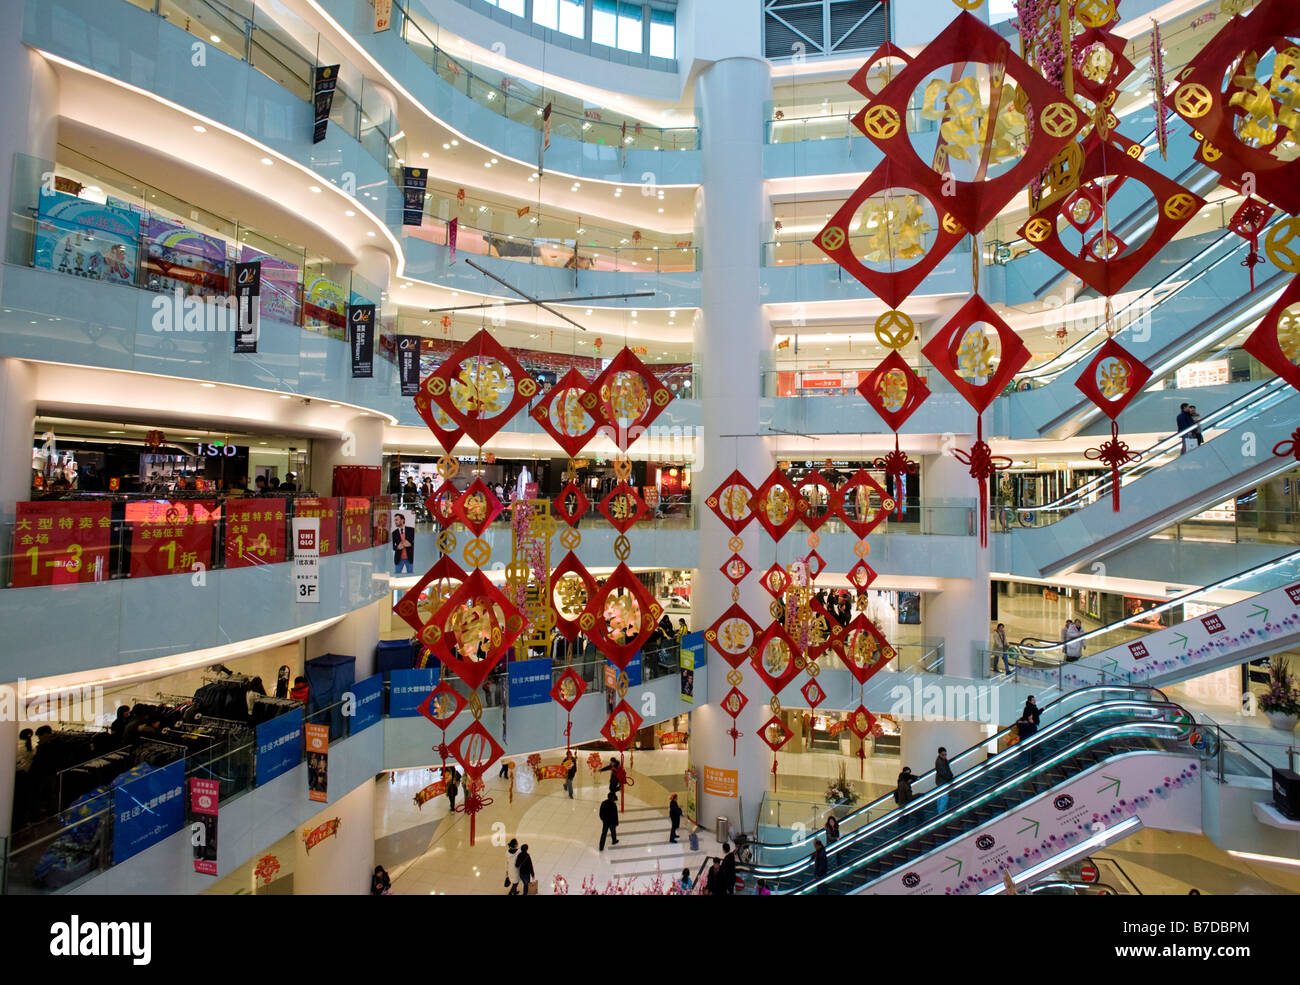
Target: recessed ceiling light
[
  {"x": 588, "y": 311},
  {"x": 214, "y": 38},
  {"x": 334, "y": 406},
  {"x": 371, "y": 233},
  {"x": 446, "y": 146},
  {"x": 261, "y": 442},
  {"x": 425, "y": 154},
  {"x": 487, "y": 164},
  {"x": 267, "y": 160},
  {"x": 494, "y": 161},
  {"x": 210, "y": 386},
  {"x": 200, "y": 129},
  {"x": 455, "y": 143},
  {"x": 115, "y": 432},
  {"x": 661, "y": 211},
  {"x": 315, "y": 189},
  {"x": 284, "y": 396},
  {"x": 349, "y": 213}
]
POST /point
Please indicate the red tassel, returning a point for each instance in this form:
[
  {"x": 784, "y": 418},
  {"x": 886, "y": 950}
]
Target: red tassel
[
  {"x": 898, "y": 465},
  {"x": 1114, "y": 453},
  {"x": 983, "y": 466}
]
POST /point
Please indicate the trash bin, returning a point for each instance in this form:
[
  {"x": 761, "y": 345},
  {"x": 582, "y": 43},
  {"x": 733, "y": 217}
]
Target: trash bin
[{"x": 720, "y": 829}]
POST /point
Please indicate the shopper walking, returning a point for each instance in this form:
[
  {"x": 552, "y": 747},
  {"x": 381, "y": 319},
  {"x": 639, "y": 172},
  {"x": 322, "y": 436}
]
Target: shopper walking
[
  {"x": 713, "y": 879},
  {"x": 453, "y": 788},
  {"x": 942, "y": 777},
  {"x": 524, "y": 865},
  {"x": 674, "y": 818},
  {"x": 1000, "y": 649},
  {"x": 1029, "y": 718},
  {"x": 570, "y": 771},
  {"x": 1069, "y": 634},
  {"x": 609, "y": 819},
  {"x": 615, "y": 772},
  {"x": 727, "y": 870},
  {"x": 512, "y": 867}
]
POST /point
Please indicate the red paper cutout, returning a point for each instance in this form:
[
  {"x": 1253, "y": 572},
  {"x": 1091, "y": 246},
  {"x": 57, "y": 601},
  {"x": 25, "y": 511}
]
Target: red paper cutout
[
  {"x": 621, "y": 726},
  {"x": 628, "y": 398},
  {"x": 477, "y": 507},
  {"x": 565, "y": 412},
  {"x": 849, "y": 504},
  {"x": 469, "y": 376},
  {"x": 861, "y": 575},
  {"x": 732, "y": 502},
  {"x": 813, "y": 693},
  {"x": 1263, "y": 343},
  {"x": 812, "y": 515},
  {"x": 476, "y": 614},
  {"x": 442, "y": 705},
  {"x": 435, "y": 418},
  {"x": 566, "y": 624},
  {"x": 735, "y": 569},
  {"x": 445, "y": 572},
  {"x": 865, "y": 650},
  {"x": 622, "y": 508},
  {"x": 774, "y": 659},
  {"x": 775, "y": 581},
  {"x": 774, "y": 733},
  {"x": 734, "y": 635},
  {"x": 894, "y": 391},
  {"x": 568, "y": 688},
  {"x": 955, "y": 340},
  {"x": 777, "y": 505},
  {"x": 610, "y": 621},
  {"x": 572, "y": 504}
]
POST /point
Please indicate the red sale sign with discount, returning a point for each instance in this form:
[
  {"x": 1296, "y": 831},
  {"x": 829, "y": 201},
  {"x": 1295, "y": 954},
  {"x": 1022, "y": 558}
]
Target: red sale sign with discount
[
  {"x": 254, "y": 532},
  {"x": 356, "y": 523},
  {"x": 58, "y": 543},
  {"x": 327, "y": 510},
  {"x": 169, "y": 537}
]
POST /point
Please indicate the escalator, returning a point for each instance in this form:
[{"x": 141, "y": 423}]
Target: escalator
[{"x": 1106, "y": 761}]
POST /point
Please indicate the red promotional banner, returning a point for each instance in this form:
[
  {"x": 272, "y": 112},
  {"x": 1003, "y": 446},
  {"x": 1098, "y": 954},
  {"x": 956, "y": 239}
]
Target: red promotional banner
[
  {"x": 318, "y": 834},
  {"x": 203, "y": 808},
  {"x": 60, "y": 543},
  {"x": 429, "y": 792},
  {"x": 318, "y": 746},
  {"x": 356, "y": 524},
  {"x": 254, "y": 532},
  {"x": 168, "y": 537},
  {"x": 556, "y": 772},
  {"x": 328, "y": 511}
]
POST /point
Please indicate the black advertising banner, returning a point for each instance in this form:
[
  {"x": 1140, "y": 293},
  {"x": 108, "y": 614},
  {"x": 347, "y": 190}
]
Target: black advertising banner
[
  {"x": 408, "y": 364},
  {"x": 325, "y": 78},
  {"x": 414, "y": 182},
  {"x": 361, "y": 328},
  {"x": 248, "y": 304}
]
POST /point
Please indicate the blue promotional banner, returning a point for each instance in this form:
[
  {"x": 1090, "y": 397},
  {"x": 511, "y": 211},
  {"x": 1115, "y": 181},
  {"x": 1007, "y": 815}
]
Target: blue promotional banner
[
  {"x": 86, "y": 239},
  {"x": 408, "y": 688},
  {"x": 530, "y": 682},
  {"x": 148, "y": 808},
  {"x": 694, "y": 642},
  {"x": 279, "y": 745},
  {"x": 368, "y": 695},
  {"x": 633, "y": 670}
]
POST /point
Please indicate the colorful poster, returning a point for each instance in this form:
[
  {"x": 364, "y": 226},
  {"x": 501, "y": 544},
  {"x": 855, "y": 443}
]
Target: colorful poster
[
  {"x": 203, "y": 810},
  {"x": 327, "y": 511},
  {"x": 148, "y": 806},
  {"x": 356, "y": 523},
  {"x": 530, "y": 682},
  {"x": 368, "y": 704},
  {"x": 60, "y": 543},
  {"x": 383, "y": 15},
  {"x": 453, "y": 232},
  {"x": 414, "y": 182},
  {"x": 381, "y": 519},
  {"x": 170, "y": 537},
  {"x": 318, "y": 750},
  {"x": 721, "y": 783},
  {"x": 281, "y": 281},
  {"x": 86, "y": 239},
  {"x": 279, "y": 746},
  {"x": 184, "y": 259},
  {"x": 254, "y": 532},
  {"x": 687, "y": 659},
  {"x": 408, "y": 688},
  {"x": 324, "y": 308},
  {"x": 361, "y": 326}
]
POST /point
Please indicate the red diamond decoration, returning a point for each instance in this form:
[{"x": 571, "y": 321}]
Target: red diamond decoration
[
  {"x": 568, "y": 688},
  {"x": 1082, "y": 209},
  {"x": 563, "y": 415},
  {"x": 621, "y": 726},
  {"x": 961, "y": 346},
  {"x": 1279, "y": 324},
  {"x": 816, "y": 564},
  {"x": 481, "y": 387},
  {"x": 735, "y": 569},
  {"x": 775, "y": 658},
  {"x": 571, "y": 505},
  {"x": 477, "y": 507},
  {"x": 435, "y": 418},
  {"x": 825, "y": 631},
  {"x": 893, "y": 390},
  {"x": 775, "y": 581},
  {"x": 476, "y": 750},
  {"x": 1112, "y": 378},
  {"x": 731, "y": 502},
  {"x": 813, "y": 694},
  {"x": 623, "y": 508},
  {"x": 888, "y": 51},
  {"x": 620, "y": 617},
  {"x": 572, "y": 588},
  {"x": 628, "y": 398},
  {"x": 817, "y": 495},
  {"x": 442, "y": 705},
  {"x": 861, "y": 575},
  {"x": 865, "y": 650},
  {"x": 861, "y": 722},
  {"x": 439, "y": 582},
  {"x": 442, "y": 504},
  {"x": 774, "y": 733},
  {"x": 734, "y": 635},
  {"x": 733, "y": 702},
  {"x": 477, "y": 615},
  {"x": 777, "y": 505},
  {"x": 862, "y": 503},
  {"x": 1105, "y": 50}
]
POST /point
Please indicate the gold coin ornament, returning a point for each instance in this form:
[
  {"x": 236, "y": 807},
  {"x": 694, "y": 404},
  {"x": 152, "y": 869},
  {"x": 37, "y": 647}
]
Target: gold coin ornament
[
  {"x": 775, "y": 609},
  {"x": 570, "y": 538},
  {"x": 814, "y": 541},
  {"x": 1193, "y": 100},
  {"x": 735, "y": 544},
  {"x": 861, "y": 548},
  {"x": 1038, "y": 229},
  {"x": 1059, "y": 119},
  {"x": 813, "y": 668},
  {"x": 446, "y": 541},
  {"x": 448, "y": 467},
  {"x": 735, "y": 594},
  {"x": 1278, "y": 245},
  {"x": 894, "y": 329},
  {"x": 478, "y": 552},
  {"x": 735, "y": 678},
  {"x": 882, "y": 122},
  {"x": 475, "y": 705},
  {"x": 621, "y": 683},
  {"x": 951, "y": 226},
  {"x": 1179, "y": 205},
  {"x": 622, "y": 547},
  {"x": 623, "y": 469}
]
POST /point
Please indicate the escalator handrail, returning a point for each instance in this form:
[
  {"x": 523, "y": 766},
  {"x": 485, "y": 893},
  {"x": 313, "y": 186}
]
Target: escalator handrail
[
  {"x": 1162, "y": 607},
  {"x": 1035, "y": 768},
  {"x": 1044, "y": 710},
  {"x": 967, "y": 776}
]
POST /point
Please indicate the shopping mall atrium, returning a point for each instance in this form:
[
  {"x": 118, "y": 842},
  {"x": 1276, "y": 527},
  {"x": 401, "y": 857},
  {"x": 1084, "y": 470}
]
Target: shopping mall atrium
[{"x": 792, "y": 447}]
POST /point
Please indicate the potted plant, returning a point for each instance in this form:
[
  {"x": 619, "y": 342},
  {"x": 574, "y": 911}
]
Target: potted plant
[
  {"x": 840, "y": 793},
  {"x": 1281, "y": 702}
]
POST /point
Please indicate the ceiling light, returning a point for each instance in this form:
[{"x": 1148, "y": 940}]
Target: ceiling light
[
  {"x": 210, "y": 386},
  {"x": 115, "y": 432},
  {"x": 267, "y": 160},
  {"x": 446, "y": 146},
  {"x": 455, "y": 143},
  {"x": 487, "y": 164},
  {"x": 494, "y": 160},
  {"x": 349, "y": 213},
  {"x": 214, "y": 39},
  {"x": 261, "y": 442},
  {"x": 371, "y": 234},
  {"x": 200, "y": 129},
  {"x": 588, "y": 311},
  {"x": 425, "y": 154},
  {"x": 284, "y": 396},
  {"x": 661, "y": 211},
  {"x": 315, "y": 189},
  {"x": 333, "y": 406}
]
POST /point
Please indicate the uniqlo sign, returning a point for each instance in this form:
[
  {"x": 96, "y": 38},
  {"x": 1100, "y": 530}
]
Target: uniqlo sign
[
  {"x": 1212, "y": 624},
  {"x": 306, "y": 559},
  {"x": 1139, "y": 650},
  {"x": 1293, "y": 592}
]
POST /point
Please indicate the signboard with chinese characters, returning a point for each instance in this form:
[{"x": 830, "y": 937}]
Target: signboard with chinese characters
[
  {"x": 356, "y": 523},
  {"x": 720, "y": 783},
  {"x": 254, "y": 532},
  {"x": 326, "y": 510},
  {"x": 170, "y": 536},
  {"x": 306, "y": 559},
  {"x": 147, "y": 808},
  {"x": 279, "y": 746},
  {"x": 58, "y": 543}
]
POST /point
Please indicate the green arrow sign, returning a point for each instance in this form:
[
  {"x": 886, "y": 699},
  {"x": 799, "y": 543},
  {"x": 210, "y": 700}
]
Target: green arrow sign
[
  {"x": 1032, "y": 824},
  {"x": 1259, "y": 610},
  {"x": 1114, "y": 782},
  {"x": 956, "y": 864},
  {"x": 1111, "y": 664},
  {"x": 1182, "y": 640}
]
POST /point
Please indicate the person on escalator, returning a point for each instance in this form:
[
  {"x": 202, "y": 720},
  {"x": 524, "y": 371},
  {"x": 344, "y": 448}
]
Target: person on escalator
[
  {"x": 942, "y": 777},
  {"x": 1069, "y": 635},
  {"x": 903, "y": 792},
  {"x": 821, "y": 865},
  {"x": 1029, "y": 718}
]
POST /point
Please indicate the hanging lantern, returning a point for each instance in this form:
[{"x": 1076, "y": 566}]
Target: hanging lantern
[{"x": 1112, "y": 378}]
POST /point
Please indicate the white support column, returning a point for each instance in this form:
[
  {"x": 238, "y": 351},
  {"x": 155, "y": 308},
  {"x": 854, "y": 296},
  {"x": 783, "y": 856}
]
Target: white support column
[
  {"x": 733, "y": 344},
  {"x": 355, "y": 635},
  {"x": 362, "y": 443},
  {"x": 342, "y": 864}
]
